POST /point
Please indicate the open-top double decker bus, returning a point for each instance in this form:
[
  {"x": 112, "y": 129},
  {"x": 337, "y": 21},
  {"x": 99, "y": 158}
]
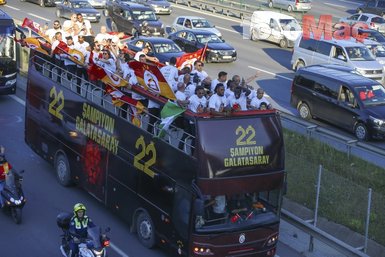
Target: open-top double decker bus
[{"x": 167, "y": 195}]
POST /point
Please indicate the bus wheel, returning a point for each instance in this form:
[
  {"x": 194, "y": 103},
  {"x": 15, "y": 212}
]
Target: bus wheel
[
  {"x": 63, "y": 172},
  {"x": 145, "y": 230}
]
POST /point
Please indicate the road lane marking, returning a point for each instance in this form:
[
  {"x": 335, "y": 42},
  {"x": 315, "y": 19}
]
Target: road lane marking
[
  {"x": 13, "y": 8},
  {"x": 37, "y": 16},
  {"x": 350, "y": 2},
  {"x": 116, "y": 249},
  {"x": 212, "y": 15},
  {"x": 17, "y": 99},
  {"x": 271, "y": 73},
  {"x": 335, "y": 5}
]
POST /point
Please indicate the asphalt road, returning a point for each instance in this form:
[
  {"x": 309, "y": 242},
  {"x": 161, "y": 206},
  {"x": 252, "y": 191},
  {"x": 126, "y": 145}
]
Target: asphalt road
[{"x": 38, "y": 235}]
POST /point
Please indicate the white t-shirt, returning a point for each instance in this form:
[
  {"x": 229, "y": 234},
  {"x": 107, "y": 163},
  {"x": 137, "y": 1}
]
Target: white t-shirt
[
  {"x": 81, "y": 46},
  {"x": 228, "y": 92},
  {"x": 110, "y": 65},
  {"x": 256, "y": 102},
  {"x": 129, "y": 74},
  {"x": 67, "y": 24},
  {"x": 217, "y": 102},
  {"x": 51, "y": 33},
  {"x": 202, "y": 74},
  {"x": 85, "y": 24},
  {"x": 242, "y": 101},
  {"x": 102, "y": 37},
  {"x": 190, "y": 89},
  {"x": 180, "y": 95},
  {"x": 170, "y": 73},
  {"x": 196, "y": 102}
]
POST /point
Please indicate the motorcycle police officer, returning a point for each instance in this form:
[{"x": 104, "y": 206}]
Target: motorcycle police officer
[
  {"x": 78, "y": 227},
  {"x": 4, "y": 169}
]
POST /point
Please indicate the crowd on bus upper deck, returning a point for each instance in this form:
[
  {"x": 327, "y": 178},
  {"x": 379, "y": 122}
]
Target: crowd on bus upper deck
[{"x": 193, "y": 86}]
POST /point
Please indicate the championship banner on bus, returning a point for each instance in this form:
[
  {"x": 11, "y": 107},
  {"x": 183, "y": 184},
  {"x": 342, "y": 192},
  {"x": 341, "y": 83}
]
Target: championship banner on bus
[
  {"x": 188, "y": 59},
  {"x": 150, "y": 77}
]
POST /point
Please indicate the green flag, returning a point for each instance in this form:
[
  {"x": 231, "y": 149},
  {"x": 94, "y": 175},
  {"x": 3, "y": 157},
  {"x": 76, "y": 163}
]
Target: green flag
[{"x": 168, "y": 114}]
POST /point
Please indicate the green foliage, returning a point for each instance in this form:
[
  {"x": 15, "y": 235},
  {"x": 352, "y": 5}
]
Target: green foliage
[{"x": 344, "y": 184}]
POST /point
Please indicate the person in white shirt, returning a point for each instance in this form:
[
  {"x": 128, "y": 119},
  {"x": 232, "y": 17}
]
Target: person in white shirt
[
  {"x": 69, "y": 65},
  {"x": 181, "y": 98},
  {"x": 218, "y": 102},
  {"x": 222, "y": 78},
  {"x": 145, "y": 51},
  {"x": 81, "y": 44},
  {"x": 189, "y": 86},
  {"x": 198, "y": 101},
  {"x": 103, "y": 35},
  {"x": 238, "y": 101},
  {"x": 69, "y": 27},
  {"x": 198, "y": 70},
  {"x": 84, "y": 25},
  {"x": 171, "y": 73},
  {"x": 51, "y": 32},
  {"x": 107, "y": 62},
  {"x": 259, "y": 99}
]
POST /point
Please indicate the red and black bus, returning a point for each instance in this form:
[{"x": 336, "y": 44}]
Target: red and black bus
[{"x": 222, "y": 200}]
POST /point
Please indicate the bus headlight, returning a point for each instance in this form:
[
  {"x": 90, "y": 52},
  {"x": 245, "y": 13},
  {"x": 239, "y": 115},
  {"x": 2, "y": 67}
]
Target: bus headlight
[
  {"x": 272, "y": 240},
  {"x": 203, "y": 251}
]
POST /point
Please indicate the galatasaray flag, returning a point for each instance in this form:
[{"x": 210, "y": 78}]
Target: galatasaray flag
[
  {"x": 34, "y": 26},
  {"x": 188, "y": 59},
  {"x": 113, "y": 79},
  {"x": 76, "y": 56},
  {"x": 150, "y": 77},
  {"x": 34, "y": 43}
]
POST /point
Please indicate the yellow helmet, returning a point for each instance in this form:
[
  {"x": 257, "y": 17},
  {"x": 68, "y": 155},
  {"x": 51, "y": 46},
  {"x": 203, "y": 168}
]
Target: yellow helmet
[{"x": 79, "y": 207}]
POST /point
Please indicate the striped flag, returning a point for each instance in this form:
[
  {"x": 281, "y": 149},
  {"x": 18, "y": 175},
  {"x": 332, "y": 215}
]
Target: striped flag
[
  {"x": 151, "y": 79},
  {"x": 168, "y": 114}
]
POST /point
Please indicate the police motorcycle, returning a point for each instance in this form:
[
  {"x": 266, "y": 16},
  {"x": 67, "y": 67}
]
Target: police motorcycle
[
  {"x": 12, "y": 195},
  {"x": 93, "y": 246}
]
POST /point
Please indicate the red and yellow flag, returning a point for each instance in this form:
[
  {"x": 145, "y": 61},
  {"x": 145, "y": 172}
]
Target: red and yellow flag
[
  {"x": 151, "y": 79},
  {"x": 76, "y": 56},
  {"x": 34, "y": 43},
  {"x": 188, "y": 59}
]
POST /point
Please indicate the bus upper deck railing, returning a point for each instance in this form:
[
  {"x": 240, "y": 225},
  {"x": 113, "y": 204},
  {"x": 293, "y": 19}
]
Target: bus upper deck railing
[{"x": 99, "y": 96}]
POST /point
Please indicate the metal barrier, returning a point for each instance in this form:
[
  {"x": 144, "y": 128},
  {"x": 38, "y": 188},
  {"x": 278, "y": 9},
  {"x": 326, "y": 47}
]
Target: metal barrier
[{"x": 324, "y": 237}]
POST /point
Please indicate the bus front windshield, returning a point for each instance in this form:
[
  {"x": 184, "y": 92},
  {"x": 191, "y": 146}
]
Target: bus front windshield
[
  {"x": 225, "y": 213},
  {"x": 7, "y": 46}
]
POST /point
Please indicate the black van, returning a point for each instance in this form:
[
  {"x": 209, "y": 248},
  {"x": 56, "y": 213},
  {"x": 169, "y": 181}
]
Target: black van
[{"x": 343, "y": 98}]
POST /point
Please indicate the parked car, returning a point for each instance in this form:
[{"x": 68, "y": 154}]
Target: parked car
[
  {"x": 372, "y": 20},
  {"x": 373, "y": 6},
  {"x": 291, "y": 5},
  {"x": 309, "y": 51},
  {"x": 159, "y": 6},
  {"x": 217, "y": 49},
  {"x": 161, "y": 48},
  {"x": 111, "y": 4},
  {"x": 68, "y": 7},
  {"x": 274, "y": 27},
  {"x": 135, "y": 19},
  {"x": 347, "y": 100},
  {"x": 372, "y": 35},
  {"x": 193, "y": 22},
  {"x": 44, "y": 3},
  {"x": 98, "y": 3}
]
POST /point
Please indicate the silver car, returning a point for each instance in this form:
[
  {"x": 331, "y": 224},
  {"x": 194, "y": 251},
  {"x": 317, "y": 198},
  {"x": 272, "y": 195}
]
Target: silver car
[
  {"x": 98, "y": 3},
  {"x": 291, "y": 5},
  {"x": 373, "y": 21},
  {"x": 193, "y": 22}
]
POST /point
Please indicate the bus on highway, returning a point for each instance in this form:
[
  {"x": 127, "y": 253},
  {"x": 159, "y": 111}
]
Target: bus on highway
[
  {"x": 8, "y": 68},
  {"x": 219, "y": 196}
]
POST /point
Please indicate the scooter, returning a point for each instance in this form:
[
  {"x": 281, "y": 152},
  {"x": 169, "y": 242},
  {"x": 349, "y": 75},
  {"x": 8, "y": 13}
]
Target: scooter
[
  {"x": 93, "y": 246},
  {"x": 13, "y": 196}
]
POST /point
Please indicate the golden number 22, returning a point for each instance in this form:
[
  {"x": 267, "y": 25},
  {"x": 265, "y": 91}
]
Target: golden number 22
[
  {"x": 249, "y": 132},
  {"x": 56, "y": 99},
  {"x": 145, "y": 151}
]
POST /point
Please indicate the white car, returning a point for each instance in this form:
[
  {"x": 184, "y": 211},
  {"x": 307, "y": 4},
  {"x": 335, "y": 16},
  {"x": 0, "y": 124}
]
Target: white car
[
  {"x": 373, "y": 21},
  {"x": 193, "y": 22},
  {"x": 98, "y": 3}
]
